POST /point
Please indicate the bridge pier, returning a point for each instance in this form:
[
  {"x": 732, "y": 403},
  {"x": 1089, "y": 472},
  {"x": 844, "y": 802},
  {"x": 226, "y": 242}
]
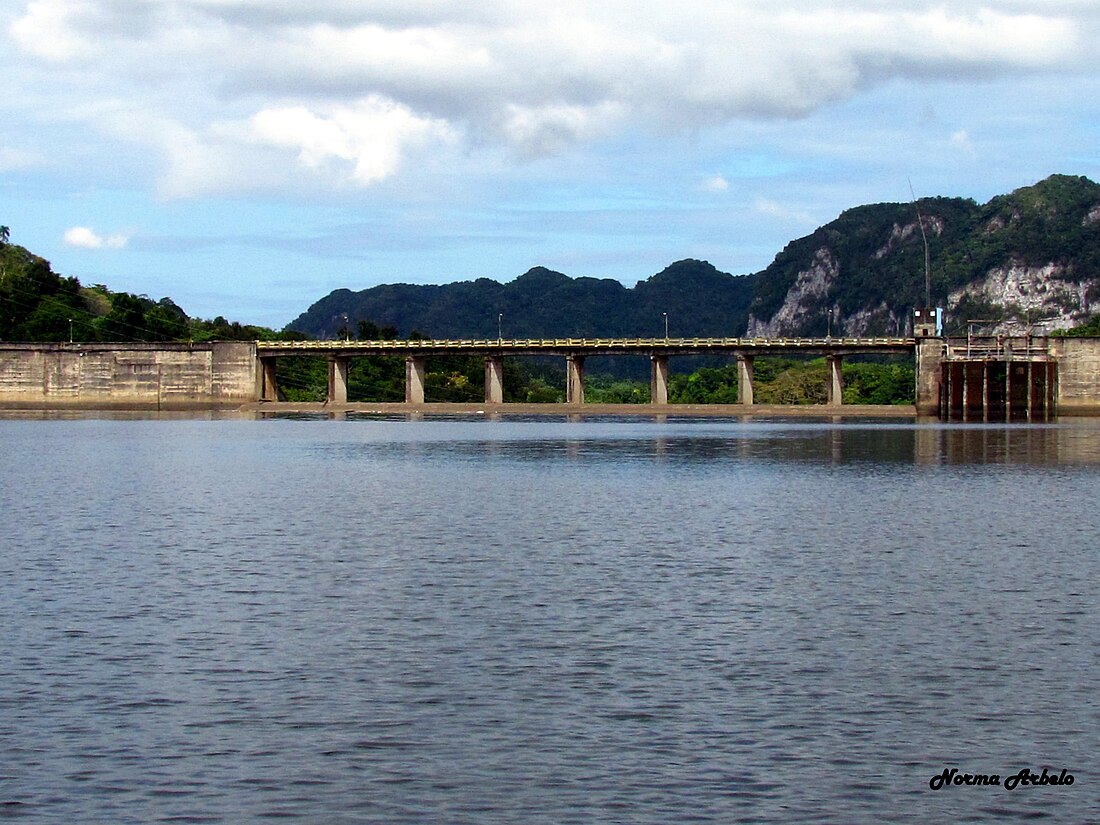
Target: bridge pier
[
  {"x": 835, "y": 380},
  {"x": 658, "y": 379},
  {"x": 269, "y": 390},
  {"x": 574, "y": 379},
  {"x": 985, "y": 391},
  {"x": 744, "y": 379},
  {"x": 414, "y": 379},
  {"x": 338, "y": 380},
  {"x": 494, "y": 380}
]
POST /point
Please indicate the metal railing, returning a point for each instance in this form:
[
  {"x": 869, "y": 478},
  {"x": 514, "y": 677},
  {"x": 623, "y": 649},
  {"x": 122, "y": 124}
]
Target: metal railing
[{"x": 580, "y": 344}]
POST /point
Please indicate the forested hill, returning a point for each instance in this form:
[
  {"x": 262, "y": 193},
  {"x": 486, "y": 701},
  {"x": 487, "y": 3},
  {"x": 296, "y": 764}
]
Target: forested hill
[
  {"x": 1034, "y": 253},
  {"x": 38, "y": 304},
  {"x": 698, "y": 298}
]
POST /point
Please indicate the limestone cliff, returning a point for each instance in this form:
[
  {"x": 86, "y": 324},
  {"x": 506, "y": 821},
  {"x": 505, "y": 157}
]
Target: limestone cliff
[{"x": 1030, "y": 258}]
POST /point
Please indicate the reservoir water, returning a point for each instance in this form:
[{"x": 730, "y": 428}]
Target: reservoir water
[{"x": 547, "y": 621}]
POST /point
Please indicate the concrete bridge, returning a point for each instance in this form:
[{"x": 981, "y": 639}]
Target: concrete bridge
[
  {"x": 575, "y": 351},
  {"x": 972, "y": 379}
]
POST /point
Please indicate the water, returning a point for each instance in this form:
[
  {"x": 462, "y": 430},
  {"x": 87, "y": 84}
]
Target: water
[{"x": 373, "y": 621}]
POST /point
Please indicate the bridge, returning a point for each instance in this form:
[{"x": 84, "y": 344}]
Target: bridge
[
  {"x": 975, "y": 378},
  {"x": 575, "y": 351}
]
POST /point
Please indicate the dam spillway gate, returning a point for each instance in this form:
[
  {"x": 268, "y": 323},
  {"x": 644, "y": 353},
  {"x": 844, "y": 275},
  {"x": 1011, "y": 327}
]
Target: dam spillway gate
[{"x": 998, "y": 379}]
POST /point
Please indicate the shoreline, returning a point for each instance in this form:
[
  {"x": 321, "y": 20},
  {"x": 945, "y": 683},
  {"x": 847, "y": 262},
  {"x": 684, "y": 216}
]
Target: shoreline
[
  {"x": 907, "y": 411},
  {"x": 264, "y": 409}
]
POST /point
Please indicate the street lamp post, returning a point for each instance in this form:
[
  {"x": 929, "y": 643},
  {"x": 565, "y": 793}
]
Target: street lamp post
[
  {"x": 500, "y": 327},
  {"x": 665, "y": 314},
  {"x": 70, "y": 330}
]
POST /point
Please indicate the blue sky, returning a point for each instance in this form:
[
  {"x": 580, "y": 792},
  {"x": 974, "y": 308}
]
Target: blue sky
[{"x": 246, "y": 157}]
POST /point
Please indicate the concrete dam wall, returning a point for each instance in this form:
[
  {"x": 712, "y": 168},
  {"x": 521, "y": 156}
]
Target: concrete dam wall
[
  {"x": 1078, "y": 362},
  {"x": 160, "y": 376},
  {"x": 972, "y": 379}
]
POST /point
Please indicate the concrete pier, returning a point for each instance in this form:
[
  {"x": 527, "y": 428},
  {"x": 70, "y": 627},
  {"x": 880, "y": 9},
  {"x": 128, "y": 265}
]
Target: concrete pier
[
  {"x": 269, "y": 390},
  {"x": 338, "y": 380},
  {"x": 414, "y": 380},
  {"x": 658, "y": 379},
  {"x": 574, "y": 379},
  {"x": 744, "y": 379},
  {"x": 835, "y": 380},
  {"x": 494, "y": 380}
]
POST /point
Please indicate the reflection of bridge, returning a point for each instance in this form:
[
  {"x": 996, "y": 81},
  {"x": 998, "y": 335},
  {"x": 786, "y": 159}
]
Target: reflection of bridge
[{"x": 575, "y": 350}]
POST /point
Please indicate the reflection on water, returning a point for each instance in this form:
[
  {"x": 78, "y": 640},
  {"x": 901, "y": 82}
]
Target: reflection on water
[
  {"x": 692, "y": 440},
  {"x": 545, "y": 621}
]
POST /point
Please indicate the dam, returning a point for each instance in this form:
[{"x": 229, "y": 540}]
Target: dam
[{"x": 968, "y": 379}]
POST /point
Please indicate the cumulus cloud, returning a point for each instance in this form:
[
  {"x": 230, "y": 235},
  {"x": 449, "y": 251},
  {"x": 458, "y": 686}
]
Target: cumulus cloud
[
  {"x": 369, "y": 135},
  {"x": 84, "y": 238},
  {"x": 349, "y": 90}
]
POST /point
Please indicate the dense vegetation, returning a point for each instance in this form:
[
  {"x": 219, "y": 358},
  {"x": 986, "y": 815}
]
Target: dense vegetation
[
  {"x": 696, "y": 298},
  {"x": 37, "y": 304},
  {"x": 775, "y": 381},
  {"x": 874, "y": 256}
]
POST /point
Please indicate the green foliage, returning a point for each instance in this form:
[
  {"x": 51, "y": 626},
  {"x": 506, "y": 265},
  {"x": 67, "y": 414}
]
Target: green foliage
[
  {"x": 540, "y": 392},
  {"x": 698, "y": 299},
  {"x": 376, "y": 379},
  {"x": 1089, "y": 329},
  {"x": 704, "y": 386},
  {"x": 792, "y": 382},
  {"x": 302, "y": 378},
  {"x": 606, "y": 389},
  {"x": 875, "y": 383}
]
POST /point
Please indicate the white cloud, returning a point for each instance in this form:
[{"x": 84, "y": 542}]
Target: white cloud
[
  {"x": 370, "y": 135},
  {"x": 718, "y": 183},
  {"x": 961, "y": 140},
  {"x": 51, "y": 29},
  {"x": 84, "y": 238},
  {"x": 351, "y": 88}
]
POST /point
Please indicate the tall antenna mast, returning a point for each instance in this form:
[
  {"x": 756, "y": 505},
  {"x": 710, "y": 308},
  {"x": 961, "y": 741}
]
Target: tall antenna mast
[{"x": 927, "y": 256}]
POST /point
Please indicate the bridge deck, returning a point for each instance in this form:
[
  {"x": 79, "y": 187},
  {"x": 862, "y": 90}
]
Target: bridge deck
[{"x": 591, "y": 346}]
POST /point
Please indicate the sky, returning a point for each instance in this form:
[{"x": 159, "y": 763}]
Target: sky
[{"x": 247, "y": 157}]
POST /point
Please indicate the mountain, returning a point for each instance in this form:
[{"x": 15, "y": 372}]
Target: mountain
[
  {"x": 698, "y": 298},
  {"x": 1033, "y": 254}
]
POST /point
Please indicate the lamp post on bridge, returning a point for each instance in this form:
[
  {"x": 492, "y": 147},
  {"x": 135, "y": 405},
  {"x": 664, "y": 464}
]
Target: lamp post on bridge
[
  {"x": 500, "y": 328},
  {"x": 665, "y": 315}
]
